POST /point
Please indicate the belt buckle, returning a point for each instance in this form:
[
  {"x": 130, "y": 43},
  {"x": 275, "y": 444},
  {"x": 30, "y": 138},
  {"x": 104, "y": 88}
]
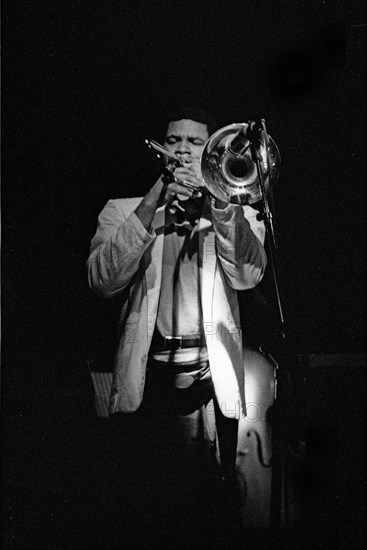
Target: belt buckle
[{"x": 173, "y": 339}]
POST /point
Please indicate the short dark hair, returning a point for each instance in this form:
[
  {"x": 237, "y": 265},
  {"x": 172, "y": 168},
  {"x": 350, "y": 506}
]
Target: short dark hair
[{"x": 192, "y": 112}]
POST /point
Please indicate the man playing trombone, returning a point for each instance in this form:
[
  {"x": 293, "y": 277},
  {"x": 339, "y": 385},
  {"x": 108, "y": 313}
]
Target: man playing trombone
[{"x": 176, "y": 259}]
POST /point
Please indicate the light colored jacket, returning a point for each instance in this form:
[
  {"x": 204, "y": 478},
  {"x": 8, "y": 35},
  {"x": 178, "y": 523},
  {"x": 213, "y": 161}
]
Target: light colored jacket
[{"x": 126, "y": 260}]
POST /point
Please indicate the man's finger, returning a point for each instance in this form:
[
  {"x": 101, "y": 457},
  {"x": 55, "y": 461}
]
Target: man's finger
[{"x": 193, "y": 186}]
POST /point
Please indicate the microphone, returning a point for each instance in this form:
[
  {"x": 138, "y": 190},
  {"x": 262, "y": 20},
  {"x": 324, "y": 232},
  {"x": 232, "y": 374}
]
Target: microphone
[
  {"x": 254, "y": 129},
  {"x": 250, "y": 133}
]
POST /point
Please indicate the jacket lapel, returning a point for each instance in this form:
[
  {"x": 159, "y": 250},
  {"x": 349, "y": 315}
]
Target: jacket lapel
[
  {"x": 153, "y": 269},
  {"x": 207, "y": 261}
]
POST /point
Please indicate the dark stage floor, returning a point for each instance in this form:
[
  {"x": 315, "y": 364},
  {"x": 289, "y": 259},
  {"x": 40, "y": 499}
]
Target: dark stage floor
[{"x": 73, "y": 481}]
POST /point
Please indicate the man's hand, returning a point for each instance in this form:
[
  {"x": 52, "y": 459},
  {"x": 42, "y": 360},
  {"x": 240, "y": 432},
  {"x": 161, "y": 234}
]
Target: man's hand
[
  {"x": 161, "y": 194},
  {"x": 185, "y": 185}
]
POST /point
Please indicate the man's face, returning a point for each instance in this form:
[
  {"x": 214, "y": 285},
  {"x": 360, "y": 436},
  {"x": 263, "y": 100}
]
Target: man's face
[{"x": 186, "y": 138}]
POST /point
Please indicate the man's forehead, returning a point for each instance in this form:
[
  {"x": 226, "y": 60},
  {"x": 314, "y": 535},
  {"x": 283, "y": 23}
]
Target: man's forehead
[{"x": 187, "y": 127}]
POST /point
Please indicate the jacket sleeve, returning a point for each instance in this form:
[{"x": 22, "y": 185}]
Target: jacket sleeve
[
  {"x": 240, "y": 249},
  {"x": 116, "y": 249}
]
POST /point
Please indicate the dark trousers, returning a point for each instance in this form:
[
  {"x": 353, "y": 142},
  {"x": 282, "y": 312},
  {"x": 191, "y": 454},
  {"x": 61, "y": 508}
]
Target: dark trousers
[
  {"x": 170, "y": 462},
  {"x": 163, "y": 399}
]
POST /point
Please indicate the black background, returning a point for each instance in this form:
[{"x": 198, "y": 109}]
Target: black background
[{"x": 84, "y": 83}]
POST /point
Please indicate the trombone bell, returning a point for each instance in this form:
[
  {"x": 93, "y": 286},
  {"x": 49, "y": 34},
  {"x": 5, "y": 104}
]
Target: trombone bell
[{"x": 232, "y": 177}]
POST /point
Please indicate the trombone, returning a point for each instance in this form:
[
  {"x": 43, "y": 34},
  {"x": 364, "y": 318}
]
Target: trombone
[{"x": 230, "y": 162}]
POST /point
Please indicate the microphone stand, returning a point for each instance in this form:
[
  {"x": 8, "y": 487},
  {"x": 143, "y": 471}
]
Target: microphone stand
[{"x": 279, "y": 509}]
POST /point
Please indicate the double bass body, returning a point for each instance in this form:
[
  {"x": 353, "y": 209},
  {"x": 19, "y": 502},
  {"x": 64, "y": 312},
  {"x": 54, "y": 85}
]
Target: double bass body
[{"x": 254, "y": 448}]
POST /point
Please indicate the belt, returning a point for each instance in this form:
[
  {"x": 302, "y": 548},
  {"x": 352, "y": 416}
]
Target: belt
[{"x": 167, "y": 343}]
